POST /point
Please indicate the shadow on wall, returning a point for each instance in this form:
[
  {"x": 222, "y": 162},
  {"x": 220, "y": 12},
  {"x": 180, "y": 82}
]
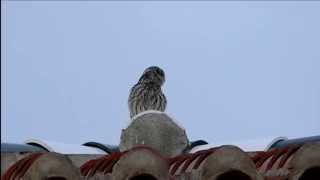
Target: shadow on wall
[
  {"x": 233, "y": 174},
  {"x": 311, "y": 174},
  {"x": 56, "y": 178},
  {"x": 143, "y": 177}
]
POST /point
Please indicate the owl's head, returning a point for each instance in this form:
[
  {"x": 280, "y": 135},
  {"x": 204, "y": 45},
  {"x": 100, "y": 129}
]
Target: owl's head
[{"x": 153, "y": 74}]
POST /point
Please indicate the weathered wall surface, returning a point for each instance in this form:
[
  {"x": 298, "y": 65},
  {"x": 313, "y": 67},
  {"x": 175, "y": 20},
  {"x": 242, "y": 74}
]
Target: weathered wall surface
[
  {"x": 154, "y": 147},
  {"x": 225, "y": 162}
]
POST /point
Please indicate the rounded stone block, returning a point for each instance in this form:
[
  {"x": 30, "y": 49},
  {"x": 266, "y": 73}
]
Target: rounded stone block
[
  {"x": 229, "y": 162},
  {"x": 141, "y": 163},
  {"x": 52, "y": 166},
  {"x": 305, "y": 163},
  {"x": 156, "y": 130}
]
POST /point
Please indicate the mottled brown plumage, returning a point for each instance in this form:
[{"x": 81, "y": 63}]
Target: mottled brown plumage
[{"x": 147, "y": 93}]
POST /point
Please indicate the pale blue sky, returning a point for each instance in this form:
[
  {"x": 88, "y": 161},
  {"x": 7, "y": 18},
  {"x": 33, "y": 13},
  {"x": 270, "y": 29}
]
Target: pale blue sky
[{"x": 235, "y": 70}]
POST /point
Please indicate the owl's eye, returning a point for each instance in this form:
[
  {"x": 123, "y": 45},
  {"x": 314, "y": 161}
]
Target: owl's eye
[
  {"x": 159, "y": 72},
  {"x": 147, "y": 75}
]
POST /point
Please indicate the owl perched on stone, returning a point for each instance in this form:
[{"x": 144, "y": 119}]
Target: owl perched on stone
[{"x": 147, "y": 93}]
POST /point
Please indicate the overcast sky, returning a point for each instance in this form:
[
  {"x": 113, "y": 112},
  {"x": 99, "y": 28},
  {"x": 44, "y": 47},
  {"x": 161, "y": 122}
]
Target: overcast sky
[{"x": 234, "y": 70}]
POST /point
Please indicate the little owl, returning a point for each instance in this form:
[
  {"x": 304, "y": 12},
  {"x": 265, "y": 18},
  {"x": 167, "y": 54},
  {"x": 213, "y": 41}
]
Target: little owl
[{"x": 147, "y": 94}]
